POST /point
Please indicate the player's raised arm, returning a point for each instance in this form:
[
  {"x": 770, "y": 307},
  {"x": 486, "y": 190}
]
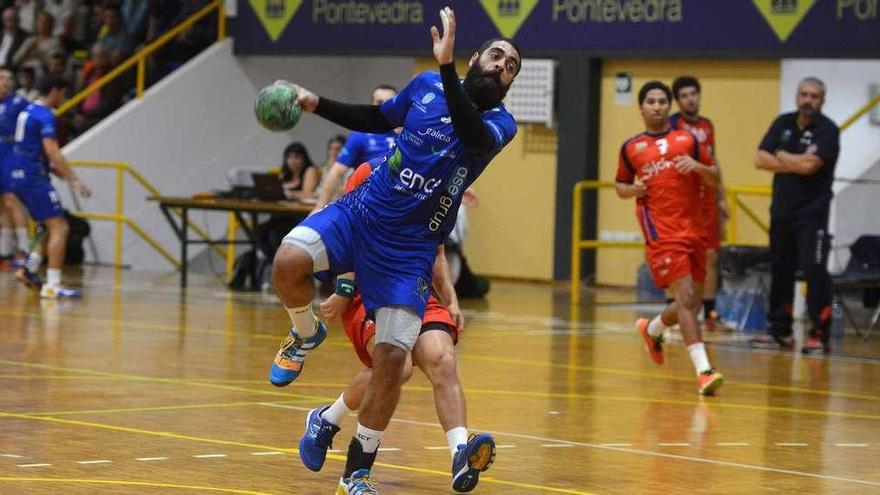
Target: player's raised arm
[{"x": 363, "y": 118}]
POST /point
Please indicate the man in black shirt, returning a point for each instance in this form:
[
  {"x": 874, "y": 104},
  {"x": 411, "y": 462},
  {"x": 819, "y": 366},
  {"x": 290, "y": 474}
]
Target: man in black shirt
[{"x": 801, "y": 149}]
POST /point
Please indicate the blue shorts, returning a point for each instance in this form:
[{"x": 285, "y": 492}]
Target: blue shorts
[
  {"x": 390, "y": 272},
  {"x": 5, "y": 167},
  {"x": 39, "y": 197}
]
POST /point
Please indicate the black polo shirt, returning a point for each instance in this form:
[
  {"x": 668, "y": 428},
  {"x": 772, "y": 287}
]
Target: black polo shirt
[{"x": 794, "y": 194}]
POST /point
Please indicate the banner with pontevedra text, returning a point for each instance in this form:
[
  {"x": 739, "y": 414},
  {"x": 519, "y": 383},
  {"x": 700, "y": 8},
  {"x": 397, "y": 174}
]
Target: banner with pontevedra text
[{"x": 724, "y": 27}]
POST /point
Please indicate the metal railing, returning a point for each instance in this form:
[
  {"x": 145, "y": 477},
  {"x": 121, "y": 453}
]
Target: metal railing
[
  {"x": 140, "y": 58},
  {"x": 121, "y": 219}
]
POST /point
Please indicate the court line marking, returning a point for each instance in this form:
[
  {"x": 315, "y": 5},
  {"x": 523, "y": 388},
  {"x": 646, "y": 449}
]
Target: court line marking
[
  {"x": 389, "y": 449},
  {"x": 209, "y": 456},
  {"x": 674, "y": 444},
  {"x": 850, "y": 445},
  {"x": 133, "y": 483},
  {"x": 344, "y": 343},
  {"x": 731, "y": 444},
  {"x": 149, "y": 459},
  {"x": 178, "y": 436},
  {"x": 556, "y": 445},
  {"x": 206, "y": 405},
  {"x": 267, "y": 453},
  {"x": 99, "y": 461},
  {"x": 444, "y": 447},
  {"x": 615, "y": 445},
  {"x": 13, "y": 456},
  {"x": 623, "y": 448},
  {"x": 37, "y": 464},
  {"x": 792, "y": 444}
]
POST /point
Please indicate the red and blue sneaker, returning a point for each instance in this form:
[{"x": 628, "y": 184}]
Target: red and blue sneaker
[{"x": 291, "y": 356}]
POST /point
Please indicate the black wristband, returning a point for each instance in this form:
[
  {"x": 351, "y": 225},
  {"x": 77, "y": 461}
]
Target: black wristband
[{"x": 345, "y": 288}]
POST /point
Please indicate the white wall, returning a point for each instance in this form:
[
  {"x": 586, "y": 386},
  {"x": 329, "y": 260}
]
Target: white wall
[
  {"x": 855, "y": 207},
  {"x": 196, "y": 124}
]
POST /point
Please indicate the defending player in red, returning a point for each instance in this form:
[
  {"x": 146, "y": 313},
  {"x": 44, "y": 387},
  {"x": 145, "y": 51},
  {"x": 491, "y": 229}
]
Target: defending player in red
[
  {"x": 686, "y": 90},
  {"x": 664, "y": 170}
]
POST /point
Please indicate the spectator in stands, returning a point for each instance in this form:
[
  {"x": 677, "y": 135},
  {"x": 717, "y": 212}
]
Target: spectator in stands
[
  {"x": 27, "y": 15},
  {"x": 113, "y": 36},
  {"x": 161, "y": 15},
  {"x": 27, "y": 83},
  {"x": 100, "y": 102},
  {"x": 13, "y": 37},
  {"x": 62, "y": 11},
  {"x": 58, "y": 66},
  {"x": 334, "y": 146},
  {"x": 37, "y": 49},
  {"x": 299, "y": 177},
  {"x": 195, "y": 39},
  {"x": 134, "y": 18}
]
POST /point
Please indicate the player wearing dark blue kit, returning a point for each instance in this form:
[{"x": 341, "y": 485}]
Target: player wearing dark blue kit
[
  {"x": 360, "y": 147},
  {"x": 36, "y": 151},
  {"x": 388, "y": 229},
  {"x": 14, "y": 221}
]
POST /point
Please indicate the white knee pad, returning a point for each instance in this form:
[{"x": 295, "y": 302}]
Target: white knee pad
[
  {"x": 398, "y": 326},
  {"x": 309, "y": 239}
]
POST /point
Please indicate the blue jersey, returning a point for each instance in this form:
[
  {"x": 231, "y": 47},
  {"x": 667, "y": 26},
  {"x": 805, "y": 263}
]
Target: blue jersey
[
  {"x": 361, "y": 147},
  {"x": 415, "y": 192},
  {"x": 10, "y": 107},
  {"x": 34, "y": 124}
]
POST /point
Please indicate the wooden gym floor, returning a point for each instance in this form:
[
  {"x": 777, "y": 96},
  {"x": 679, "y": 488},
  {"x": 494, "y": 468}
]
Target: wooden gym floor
[{"x": 138, "y": 388}]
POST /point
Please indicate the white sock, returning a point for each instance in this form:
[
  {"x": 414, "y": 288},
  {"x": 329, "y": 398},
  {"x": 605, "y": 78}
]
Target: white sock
[
  {"x": 303, "y": 320},
  {"x": 337, "y": 411},
  {"x": 7, "y": 241},
  {"x": 53, "y": 277},
  {"x": 34, "y": 260},
  {"x": 368, "y": 438},
  {"x": 21, "y": 236},
  {"x": 455, "y": 437},
  {"x": 698, "y": 357},
  {"x": 656, "y": 327}
]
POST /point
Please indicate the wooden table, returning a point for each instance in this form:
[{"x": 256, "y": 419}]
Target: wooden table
[{"x": 239, "y": 207}]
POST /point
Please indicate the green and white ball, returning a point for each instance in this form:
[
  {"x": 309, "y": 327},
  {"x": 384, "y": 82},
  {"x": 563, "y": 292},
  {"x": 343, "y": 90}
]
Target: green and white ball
[{"x": 276, "y": 107}]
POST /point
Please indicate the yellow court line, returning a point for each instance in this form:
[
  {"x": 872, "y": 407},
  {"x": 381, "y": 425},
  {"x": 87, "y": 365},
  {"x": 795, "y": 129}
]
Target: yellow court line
[
  {"x": 158, "y": 408},
  {"x": 56, "y": 377},
  {"x": 133, "y": 483},
  {"x": 340, "y": 342},
  {"x": 178, "y": 436},
  {"x": 663, "y": 376}
]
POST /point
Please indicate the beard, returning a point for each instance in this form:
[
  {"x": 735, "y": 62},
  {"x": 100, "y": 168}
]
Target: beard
[
  {"x": 807, "y": 110},
  {"x": 484, "y": 87}
]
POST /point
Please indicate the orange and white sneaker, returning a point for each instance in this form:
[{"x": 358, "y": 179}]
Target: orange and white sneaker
[
  {"x": 654, "y": 345},
  {"x": 710, "y": 381}
]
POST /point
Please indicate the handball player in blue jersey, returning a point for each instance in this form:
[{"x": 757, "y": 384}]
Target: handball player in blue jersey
[
  {"x": 11, "y": 105},
  {"x": 388, "y": 229},
  {"x": 360, "y": 147},
  {"x": 35, "y": 152}
]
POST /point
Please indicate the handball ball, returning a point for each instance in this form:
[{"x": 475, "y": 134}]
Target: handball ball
[{"x": 276, "y": 107}]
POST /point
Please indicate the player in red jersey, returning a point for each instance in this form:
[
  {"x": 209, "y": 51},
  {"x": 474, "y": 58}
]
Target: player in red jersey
[
  {"x": 686, "y": 90},
  {"x": 433, "y": 353},
  {"x": 664, "y": 170}
]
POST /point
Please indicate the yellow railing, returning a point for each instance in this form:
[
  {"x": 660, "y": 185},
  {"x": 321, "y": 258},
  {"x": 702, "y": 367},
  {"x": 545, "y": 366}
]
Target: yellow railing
[
  {"x": 140, "y": 58},
  {"x": 122, "y": 220}
]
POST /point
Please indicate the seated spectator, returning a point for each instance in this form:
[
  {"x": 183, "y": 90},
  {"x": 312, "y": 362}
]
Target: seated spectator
[
  {"x": 27, "y": 15},
  {"x": 161, "y": 15},
  {"x": 27, "y": 84},
  {"x": 299, "y": 177},
  {"x": 113, "y": 35},
  {"x": 134, "y": 19},
  {"x": 58, "y": 66},
  {"x": 63, "y": 12},
  {"x": 13, "y": 37},
  {"x": 37, "y": 49},
  {"x": 100, "y": 102},
  {"x": 195, "y": 39}
]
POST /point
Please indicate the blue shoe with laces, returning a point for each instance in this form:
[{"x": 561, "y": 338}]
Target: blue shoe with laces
[
  {"x": 471, "y": 460},
  {"x": 358, "y": 484},
  {"x": 317, "y": 439}
]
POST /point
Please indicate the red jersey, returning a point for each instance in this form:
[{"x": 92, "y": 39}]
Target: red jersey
[
  {"x": 671, "y": 207},
  {"x": 704, "y": 131}
]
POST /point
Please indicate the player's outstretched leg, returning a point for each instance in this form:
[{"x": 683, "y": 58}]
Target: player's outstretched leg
[
  {"x": 323, "y": 423},
  {"x": 292, "y": 277},
  {"x": 688, "y": 301}
]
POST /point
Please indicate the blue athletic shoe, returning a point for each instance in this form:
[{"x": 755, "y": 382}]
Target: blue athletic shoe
[
  {"x": 29, "y": 278},
  {"x": 471, "y": 460},
  {"x": 317, "y": 439},
  {"x": 59, "y": 292},
  {"x": 291, "y": 356},
  {"x": 359, "y": 484}
]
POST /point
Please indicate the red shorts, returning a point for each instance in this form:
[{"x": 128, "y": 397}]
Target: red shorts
[
  {"x": 674, "y": 259},
  {"x": 360, "y": 329}
]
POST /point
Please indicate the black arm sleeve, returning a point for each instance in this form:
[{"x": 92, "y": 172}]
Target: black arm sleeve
[
  {"x": 469, "y": 126},
  {"x": 363, "y": 118}
]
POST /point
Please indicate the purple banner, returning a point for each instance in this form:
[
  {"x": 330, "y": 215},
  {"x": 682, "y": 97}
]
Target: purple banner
[{"x": 723, "y": 27}]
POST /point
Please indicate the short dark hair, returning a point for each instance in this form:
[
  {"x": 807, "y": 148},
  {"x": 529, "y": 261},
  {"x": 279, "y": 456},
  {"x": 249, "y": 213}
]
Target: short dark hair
[
  {"x": 486, "y": 44},
  {"x": 648, "y": 86},
  {"x": 386, "y": 87},
  {"x": 48, "y": 83},
  {"x": 337, "y": 138},
  {"x": 682, "y": 82}
]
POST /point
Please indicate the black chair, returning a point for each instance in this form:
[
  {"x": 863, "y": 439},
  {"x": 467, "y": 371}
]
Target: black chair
[{"x": 862, "y": 275}]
